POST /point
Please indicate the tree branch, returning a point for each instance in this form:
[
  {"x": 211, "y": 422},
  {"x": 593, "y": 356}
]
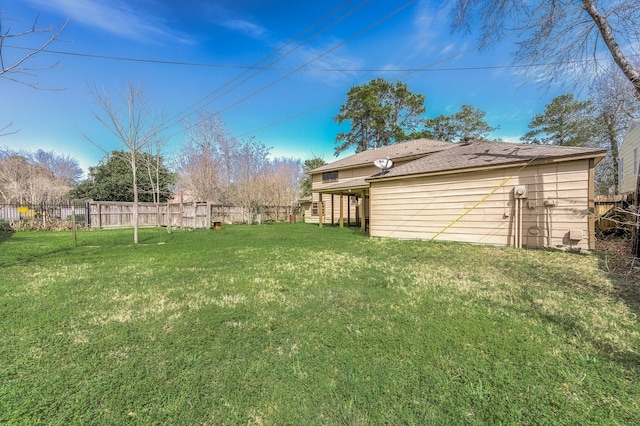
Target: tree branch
[{"x": 17, "y": 66}]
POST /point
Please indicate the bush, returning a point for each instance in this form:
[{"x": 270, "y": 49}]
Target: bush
[{"x": 37, "y": 225}]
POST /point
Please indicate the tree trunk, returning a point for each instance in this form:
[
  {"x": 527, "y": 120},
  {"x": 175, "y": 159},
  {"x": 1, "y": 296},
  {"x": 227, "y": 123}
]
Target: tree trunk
[
  {"x": 135, "y": 197},
  {"x": 609, "y": 40},
  {"x": 613, "y": 142}
]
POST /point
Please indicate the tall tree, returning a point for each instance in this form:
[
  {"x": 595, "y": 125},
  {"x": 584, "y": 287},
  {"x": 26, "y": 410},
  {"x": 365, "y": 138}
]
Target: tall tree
[
  {"x": 205, "y": 160},
  {"x": 380, "y": 113},
  {"x": 307, "y": 166},
  {"x": 469, "y": 121},
  {"x": 112, "y": 180},
  {"x": 249, "y": 170},
  {"x": 62, "y": 167},
  {"x": 283, "y": 184},
  {"x": 615, "y": 105},
  {"x": 565, "y": 121},
  {"x": 566, "y": 38},
  {"x": 130, "y": 121}
]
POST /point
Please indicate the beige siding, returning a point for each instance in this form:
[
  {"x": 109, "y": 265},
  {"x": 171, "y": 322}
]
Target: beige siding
[
  {"x": 479, "y": 207},
  {"x": 628, "y": 173},
  {"x": 347, "y": 175}
]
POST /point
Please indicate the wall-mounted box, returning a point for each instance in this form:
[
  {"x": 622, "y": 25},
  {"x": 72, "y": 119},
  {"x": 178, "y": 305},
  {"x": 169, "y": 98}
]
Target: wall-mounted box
[{"x": 576, "y": 235}]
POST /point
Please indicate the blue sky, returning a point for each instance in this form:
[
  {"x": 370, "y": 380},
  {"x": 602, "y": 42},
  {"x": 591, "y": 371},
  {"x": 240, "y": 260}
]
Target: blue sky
[{"x": 188, "y": 49}]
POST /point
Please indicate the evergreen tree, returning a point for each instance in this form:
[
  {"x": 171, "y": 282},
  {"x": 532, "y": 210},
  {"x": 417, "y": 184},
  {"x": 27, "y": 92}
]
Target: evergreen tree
[
  {"x": 113, "y": 180},
  {"x": 380, "y": 114},
  {"x": 565, "y": 121}
]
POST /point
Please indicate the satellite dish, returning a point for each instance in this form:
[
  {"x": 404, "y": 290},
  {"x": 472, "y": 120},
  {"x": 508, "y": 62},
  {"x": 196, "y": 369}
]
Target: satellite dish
[{"x": 383, "y": 163}]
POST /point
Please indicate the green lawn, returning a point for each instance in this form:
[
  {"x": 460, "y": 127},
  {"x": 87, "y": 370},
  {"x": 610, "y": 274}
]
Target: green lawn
[{"x": 293, "y": 324}]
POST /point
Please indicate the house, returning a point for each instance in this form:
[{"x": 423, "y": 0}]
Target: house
[
  {"x": 628, "y": 158},
  {"x": 476, "y": 192},
  {"x": 340, "y": 187}
]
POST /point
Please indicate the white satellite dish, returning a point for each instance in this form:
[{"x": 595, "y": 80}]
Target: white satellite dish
[{"x": 383, "y": 163}]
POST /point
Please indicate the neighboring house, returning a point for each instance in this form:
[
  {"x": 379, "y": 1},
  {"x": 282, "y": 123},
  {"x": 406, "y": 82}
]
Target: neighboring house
[
  {"x": 629, "y": 158},
  {"x": 476, "y": 192}
]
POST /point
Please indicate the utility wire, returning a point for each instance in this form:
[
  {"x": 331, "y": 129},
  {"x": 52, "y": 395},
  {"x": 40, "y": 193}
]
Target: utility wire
[
  {"x": 326, "y": 52},
  {"x": 176, "y": 118},
  {"x": 314, "y": 70},
  {"x": 407, "y": 73}
]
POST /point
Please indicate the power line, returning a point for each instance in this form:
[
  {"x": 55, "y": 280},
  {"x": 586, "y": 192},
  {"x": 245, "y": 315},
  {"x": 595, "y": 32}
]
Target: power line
[
  {"x": 176, "y": 118},
  {"x": 326, "y": 52},
  {"x": 314, "y": 70},
  {"x": 409, "y": 72}
]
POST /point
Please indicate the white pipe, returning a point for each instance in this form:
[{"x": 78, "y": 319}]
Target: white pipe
[
  {"x": 517, "y": 223},
  {"x": 520, "y": 222}
]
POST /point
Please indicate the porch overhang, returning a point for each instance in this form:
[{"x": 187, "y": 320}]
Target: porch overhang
[{"x": 353, "y": 186}]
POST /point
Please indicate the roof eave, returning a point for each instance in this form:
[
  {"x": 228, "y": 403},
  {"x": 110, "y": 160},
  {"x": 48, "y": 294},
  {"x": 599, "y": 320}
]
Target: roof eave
[
  {"x": 359, "y": 165},
  {"x": 597, "y": 156},
  {"x": 346, "y": 189}
]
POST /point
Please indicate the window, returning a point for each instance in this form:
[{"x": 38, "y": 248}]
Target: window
[
  {"x": 329, "y": 177},
  {"x": 621, "y": 170},
  {"x": 314, "y": 209}
]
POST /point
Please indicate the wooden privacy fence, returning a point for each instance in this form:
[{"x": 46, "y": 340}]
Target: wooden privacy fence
[
  {"x": 614, "y": 212},
  {"x": 111, "y": 214}
]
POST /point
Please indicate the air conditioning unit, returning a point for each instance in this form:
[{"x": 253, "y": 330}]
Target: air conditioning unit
[{"x": 520, "y": 192}]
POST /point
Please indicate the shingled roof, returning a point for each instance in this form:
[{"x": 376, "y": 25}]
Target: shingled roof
[
  {"x": 480, "y": 154},
  {"x": 396, "y": 152}
]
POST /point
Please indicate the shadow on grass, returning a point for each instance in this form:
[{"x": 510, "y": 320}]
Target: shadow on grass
[
  {"x": 33, "y": 258},
  {"x": 585, "y": 336},
  {"x": 355, "y": 230},
  {"x": 5, "y": 235}
]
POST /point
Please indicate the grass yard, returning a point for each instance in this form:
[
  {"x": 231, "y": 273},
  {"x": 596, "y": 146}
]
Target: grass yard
[{"x": 293, "y": 324}]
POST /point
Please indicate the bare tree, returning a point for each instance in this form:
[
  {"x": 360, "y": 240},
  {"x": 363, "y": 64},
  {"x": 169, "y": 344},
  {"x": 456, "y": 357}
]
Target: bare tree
[
  {"x": 562, "y": 37},
  {"x": 615, "y": 104},
  {"x": 131, "y": 122},
  {"x": 248, "y": 179},
  {"x": 153, "y": 167},
  {"x": 283, "y": 184},
  {"x": 63, "y": 167},
  {"x": 43, "y": 177},
  {"x": 205, "y": 160},
  {"x": 4, "y": 130}
]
